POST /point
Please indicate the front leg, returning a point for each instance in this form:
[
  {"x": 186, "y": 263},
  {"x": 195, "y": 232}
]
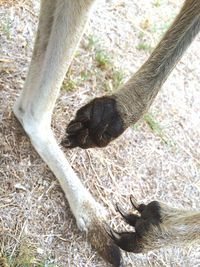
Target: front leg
[
  {"x": 157, "y": 226},
  {"x": 99, "y": 122}
]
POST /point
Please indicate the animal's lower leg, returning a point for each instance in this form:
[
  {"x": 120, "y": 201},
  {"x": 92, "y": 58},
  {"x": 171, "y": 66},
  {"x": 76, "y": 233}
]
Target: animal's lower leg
[
  {"x": 158, "y": 226},
  {"x": 54, "y": 49},
  {"x": 105, "y": 118}
]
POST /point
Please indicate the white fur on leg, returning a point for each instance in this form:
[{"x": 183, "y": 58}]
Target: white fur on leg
[
  {"x": 80, "y": 200},
  {"x": 35, "y": 106},
  {"x": 61, "y": 26},
  {"x": 90, "y": 215}
]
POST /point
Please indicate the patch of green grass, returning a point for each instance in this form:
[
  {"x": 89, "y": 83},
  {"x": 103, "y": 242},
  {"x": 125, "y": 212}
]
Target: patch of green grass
[
  {"x": 113, "y": 80},
  {"x": 141, "y": 35},
  {"x": 157, "y": 129},
  {"x": 143, "y": 42},
  {"x": 20, "y": 261},
  {"x": 6, "y": 27},
  {"x": 102, "y": 67},
  {"x": 118, "y": 79},
  {"x": 47, "y": 263},
  {"x": 25, "y": 256},
  {"x": 92, "y": 42},
  {"x": 103, "y": 59},
  {"x": 85, "y": 75},
  {"x": 69, "y": 84},
  {"x": 157, "y": 3},
  {"x": 152, "y": 123},
  {"x": 142, "y": 45},
  {"x": 136, "y": 126}
]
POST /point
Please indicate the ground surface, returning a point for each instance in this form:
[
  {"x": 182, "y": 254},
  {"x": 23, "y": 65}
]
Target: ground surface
[{"x": 159, "y": 158}]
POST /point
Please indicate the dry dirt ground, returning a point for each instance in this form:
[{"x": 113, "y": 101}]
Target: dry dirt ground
[{"x": 159, "y": 158}]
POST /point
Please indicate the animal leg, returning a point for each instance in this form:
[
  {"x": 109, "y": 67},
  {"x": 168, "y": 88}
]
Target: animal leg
[
  {"x": 157, "y": 226},
  {"x": 60, "y": 28},
  {"x": 105, "y": 118}
]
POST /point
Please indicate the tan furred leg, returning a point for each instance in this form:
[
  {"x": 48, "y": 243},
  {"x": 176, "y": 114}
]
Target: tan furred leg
[
  {"x": 60, "y": 28},
  {"x": 105, "y": 118}
]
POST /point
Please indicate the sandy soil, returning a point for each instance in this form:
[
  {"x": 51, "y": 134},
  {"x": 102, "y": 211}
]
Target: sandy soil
[{"x": 36, "y": 226}]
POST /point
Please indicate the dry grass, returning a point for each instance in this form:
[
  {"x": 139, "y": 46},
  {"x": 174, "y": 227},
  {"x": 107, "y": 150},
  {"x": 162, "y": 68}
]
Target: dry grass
[
  {"x": 36, "y": 226},
  {"x": 7, "y": 2}
]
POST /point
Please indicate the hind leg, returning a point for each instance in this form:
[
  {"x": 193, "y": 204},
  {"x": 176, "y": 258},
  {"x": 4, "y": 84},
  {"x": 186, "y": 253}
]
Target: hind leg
[{"x": 60, "y": 28}]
